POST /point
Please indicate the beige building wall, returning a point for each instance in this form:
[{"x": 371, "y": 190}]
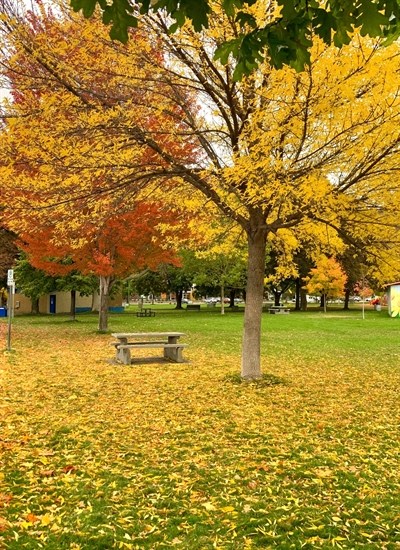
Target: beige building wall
[
  {"x": 63, "y": 302},
  {"x": 23, "y": 305}
]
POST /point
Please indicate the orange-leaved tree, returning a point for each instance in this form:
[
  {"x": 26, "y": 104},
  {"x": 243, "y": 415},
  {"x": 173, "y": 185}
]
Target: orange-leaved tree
[
  {"x": 91, "y": 195},
  {"x": 122, "y": 244},
  {"x": 326, "y": 279}
]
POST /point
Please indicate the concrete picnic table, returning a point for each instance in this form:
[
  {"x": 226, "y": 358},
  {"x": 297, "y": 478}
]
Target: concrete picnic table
[{"x": 128, "y": 341}]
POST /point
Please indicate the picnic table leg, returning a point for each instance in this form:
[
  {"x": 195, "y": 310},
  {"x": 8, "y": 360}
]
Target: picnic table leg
[
  {"x": 178, "y": 355},
  {"x": 124, "y": 354},
  {"x": 169, "y": 353},
  {"x": 174, "y": 354}
]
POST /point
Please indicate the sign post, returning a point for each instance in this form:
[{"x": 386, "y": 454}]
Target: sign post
[{"x": 10, "y": 304}]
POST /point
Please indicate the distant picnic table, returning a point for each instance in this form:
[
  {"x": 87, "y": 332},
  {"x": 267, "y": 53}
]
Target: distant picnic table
[
  {"x": 278, "y": 309},
  {"x": 193, "y": 307},
  {"x": 145, "y": 312}
]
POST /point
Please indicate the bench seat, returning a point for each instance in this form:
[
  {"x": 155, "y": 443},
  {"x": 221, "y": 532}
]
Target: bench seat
[
  {"x": 275, "y": 311},
  {"x": 160, "y": 344}
]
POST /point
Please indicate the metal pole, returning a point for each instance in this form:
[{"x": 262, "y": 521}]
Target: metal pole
[
  {"x": 363, "y": 294},
  {"x": 10, "y": 311}
]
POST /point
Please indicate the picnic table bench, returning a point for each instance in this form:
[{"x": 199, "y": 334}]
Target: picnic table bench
[
  {"x": 128, "y": 341},
  {"x": 193, "y": 307},
  {"x": 279, "y": 310},
  {"x": 146, "y": 312}
]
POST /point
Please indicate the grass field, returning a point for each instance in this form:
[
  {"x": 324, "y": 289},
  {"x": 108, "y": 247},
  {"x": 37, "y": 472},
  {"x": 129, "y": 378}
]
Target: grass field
[{"x": 101, "y": 456}]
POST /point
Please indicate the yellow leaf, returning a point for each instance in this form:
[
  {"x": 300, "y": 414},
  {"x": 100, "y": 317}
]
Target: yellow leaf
[
  {"x": 209, "y": 506},
  {"x": 46, "y": 520},
  {"x": 364, "y": 534},
  {"x": 228, "y": 509}
]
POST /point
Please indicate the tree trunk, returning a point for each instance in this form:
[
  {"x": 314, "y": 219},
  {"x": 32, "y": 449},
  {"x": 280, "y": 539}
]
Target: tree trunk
[
  {"x": 346, "y": 299},
  {"x": 73, "y": 305},
  {"x": 105, "y": 283},
  {"x": 232, "y": 294},
  {"x": 303, "y": 299},
  {"x": 222, "y": 300},
  {"x": 179, "y": 295},
  {"x": 251, "y": 361},
  {"x": 35, "y": 306},
  {"x": 298, "y": 294},
  {"x": 277, "y": 297}
]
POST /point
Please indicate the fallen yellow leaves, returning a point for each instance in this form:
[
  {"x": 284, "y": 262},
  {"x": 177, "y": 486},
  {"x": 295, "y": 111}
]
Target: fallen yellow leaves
[{"x": 179, "y": 455}]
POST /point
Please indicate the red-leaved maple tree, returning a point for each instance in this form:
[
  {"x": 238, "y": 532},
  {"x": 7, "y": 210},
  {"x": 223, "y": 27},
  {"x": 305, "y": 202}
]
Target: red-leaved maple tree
[{"x": 122, "y": 244}]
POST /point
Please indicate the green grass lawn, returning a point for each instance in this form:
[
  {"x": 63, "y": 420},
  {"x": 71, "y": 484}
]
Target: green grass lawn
[{"x": 101, "y": 456}]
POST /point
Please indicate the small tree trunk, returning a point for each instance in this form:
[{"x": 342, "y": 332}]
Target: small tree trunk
[
  {"x": 232, "y": 294},
  {"x": 325, "y": 300},
  {"x": 277, "y": 297},
  {"x": 298, "y": 293},
  {"x": 303, "y": 299},
  {"x": 179, "y": 294},
  {"x": 105, "y": 285},
  {"x": 222, "y": 300},
  {"x": 346, "y": 299},
  {"x": 73, "y": 305},
  {"x": 35, "y": 306},
  {"x": 251, "y": 360}
]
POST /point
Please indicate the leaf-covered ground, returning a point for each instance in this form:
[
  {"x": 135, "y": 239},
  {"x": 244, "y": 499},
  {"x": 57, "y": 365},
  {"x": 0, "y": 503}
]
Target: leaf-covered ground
[{"x": 101, "y": 456}]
